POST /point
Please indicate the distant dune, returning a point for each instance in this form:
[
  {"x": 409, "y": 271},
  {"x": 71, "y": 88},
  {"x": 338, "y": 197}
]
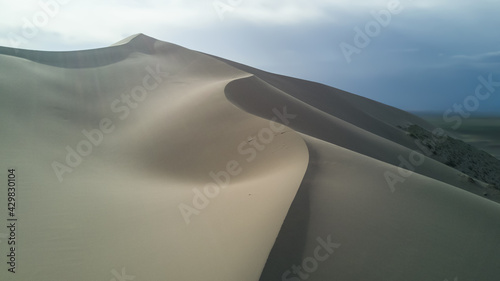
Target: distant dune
[{"x": 145, "y": 160}]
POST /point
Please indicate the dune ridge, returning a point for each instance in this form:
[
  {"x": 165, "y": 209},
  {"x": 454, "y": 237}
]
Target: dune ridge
[
  {"x": 296, "y": 241},
  {"x": 165, "y": 141},
  {"x": 205, "y": 169}
]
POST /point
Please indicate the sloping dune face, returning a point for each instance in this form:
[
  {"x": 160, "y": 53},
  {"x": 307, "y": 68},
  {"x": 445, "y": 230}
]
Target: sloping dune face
[
  {"x": 348, "y": 222},
  {"x": 137, "y": 167},
  {"x": 148, "y": 161},
  {"x": 357, "y": 230}
]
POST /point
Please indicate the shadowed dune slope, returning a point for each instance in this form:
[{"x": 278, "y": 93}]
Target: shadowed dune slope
[
  {"x": 426, "y": 228},
  {"x": 149, "y": 180},
  {"x": 259, "y": 97},
  {"x": 148, "y": 160}
]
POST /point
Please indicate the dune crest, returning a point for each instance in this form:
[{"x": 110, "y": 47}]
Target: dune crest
[
  {"x": 149, "y": 160},
  {"x": 152, "y": 160}
]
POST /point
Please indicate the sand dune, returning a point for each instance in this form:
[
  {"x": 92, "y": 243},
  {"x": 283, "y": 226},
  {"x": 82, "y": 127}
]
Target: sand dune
[{"x": 148, "y": 161}]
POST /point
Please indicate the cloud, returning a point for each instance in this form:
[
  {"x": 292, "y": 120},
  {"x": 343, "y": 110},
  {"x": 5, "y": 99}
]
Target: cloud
[
  {"x": 84, "y": 22},
  {"x": 451, "y": 40},
  {"x": 493, "y": 57}
]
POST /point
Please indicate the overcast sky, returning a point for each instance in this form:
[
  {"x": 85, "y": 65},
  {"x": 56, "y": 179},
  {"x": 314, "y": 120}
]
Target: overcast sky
[{"x": 415, "y": 55}]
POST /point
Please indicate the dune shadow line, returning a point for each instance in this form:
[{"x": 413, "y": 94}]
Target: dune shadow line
[{"x": 290, "y": 243}]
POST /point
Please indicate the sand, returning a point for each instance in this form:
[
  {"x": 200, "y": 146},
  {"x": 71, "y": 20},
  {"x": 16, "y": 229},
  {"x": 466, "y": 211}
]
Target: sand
[{"x": 148, "y": 161}]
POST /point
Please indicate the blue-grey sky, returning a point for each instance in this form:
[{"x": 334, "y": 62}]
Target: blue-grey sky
[{"x": 420, "y": 55}]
